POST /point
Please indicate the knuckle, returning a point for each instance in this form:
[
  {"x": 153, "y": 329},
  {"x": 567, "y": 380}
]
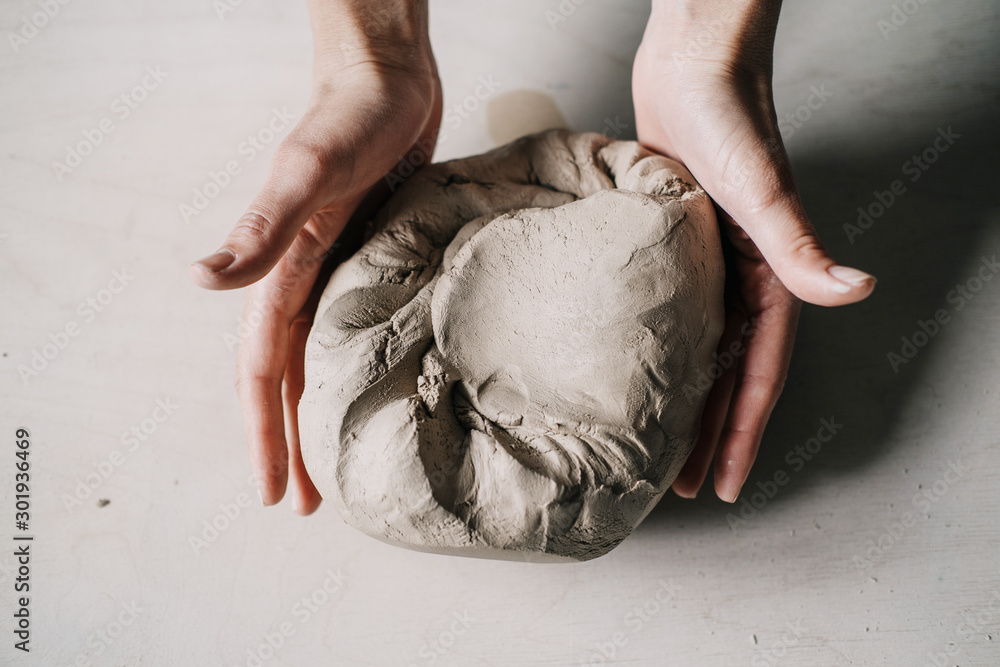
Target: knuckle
[
  {"x": 255, "y": 227},
  {"x": 247, "y": 381},
  {"x": 805, "y": 243},
  {"x": 310, "y": 161},
  {"x": 765, "y": 388},
  {"x": 803, "y": 250},
  {"x": 739, "y": 430}
]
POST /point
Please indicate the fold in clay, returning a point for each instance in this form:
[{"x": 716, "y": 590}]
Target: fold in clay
[{"x": 509, "y": 367}]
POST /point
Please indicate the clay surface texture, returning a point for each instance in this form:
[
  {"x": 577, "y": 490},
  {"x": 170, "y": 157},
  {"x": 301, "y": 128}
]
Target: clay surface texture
[{"x": 513, "y": 364}]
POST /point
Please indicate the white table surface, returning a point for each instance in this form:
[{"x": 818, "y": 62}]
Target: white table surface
[{"x": 803, "y": 581}]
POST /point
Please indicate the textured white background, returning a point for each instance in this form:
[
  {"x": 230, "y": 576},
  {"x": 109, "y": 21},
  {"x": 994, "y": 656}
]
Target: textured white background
[{"x": 733, "y": 593}]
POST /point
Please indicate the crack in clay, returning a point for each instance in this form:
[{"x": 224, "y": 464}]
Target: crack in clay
[{"x": 456, "y": 179}]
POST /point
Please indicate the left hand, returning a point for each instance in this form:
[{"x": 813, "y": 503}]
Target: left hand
[{"x": 367, "y": 110}]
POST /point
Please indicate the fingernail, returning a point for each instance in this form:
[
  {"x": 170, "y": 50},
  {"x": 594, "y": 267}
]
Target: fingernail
[
  {"x": 730, "y": 491},
  {"x": 261, "y": 496},
  {"x": 219, "y": 260},
  {"x": 849, "y": 278}
]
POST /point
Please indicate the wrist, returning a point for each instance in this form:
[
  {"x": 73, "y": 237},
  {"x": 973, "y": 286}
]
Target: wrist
[
  {"x": 732, "y": 33},
  {"x": 391, "y": 33}
]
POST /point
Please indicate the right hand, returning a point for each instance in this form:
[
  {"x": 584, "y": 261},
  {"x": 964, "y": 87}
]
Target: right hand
[
  {"x": 371, "y": 106},
  {"x": 703, "y": 96}
]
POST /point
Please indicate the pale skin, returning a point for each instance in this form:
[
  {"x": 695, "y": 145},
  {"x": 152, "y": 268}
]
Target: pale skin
[{"x": 702, "y": 91}]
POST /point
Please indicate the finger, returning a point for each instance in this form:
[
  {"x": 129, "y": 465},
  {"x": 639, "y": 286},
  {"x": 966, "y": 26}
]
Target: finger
[
  {"x": 305, "y": 497},
  {"x": 261, "y": 363},
  {"x": 692, "y": 475},
  {"x": 264, "y": 354},
  {"x": 290, "y": 195},
  {"x": 758, "y": 190},
  {"x": 759, "y": 382}
]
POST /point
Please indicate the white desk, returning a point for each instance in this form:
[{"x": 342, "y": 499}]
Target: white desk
[{"x": 688, "y": 588}]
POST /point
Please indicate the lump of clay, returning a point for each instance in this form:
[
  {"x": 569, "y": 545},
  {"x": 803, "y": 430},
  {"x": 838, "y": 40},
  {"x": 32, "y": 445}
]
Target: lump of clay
[{"x": 509, "y": 367}]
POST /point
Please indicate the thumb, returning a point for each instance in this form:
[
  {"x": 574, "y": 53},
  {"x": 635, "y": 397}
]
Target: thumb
[
  {"x": 774, "y": 220},
  {"x": 289, "y": 197}
]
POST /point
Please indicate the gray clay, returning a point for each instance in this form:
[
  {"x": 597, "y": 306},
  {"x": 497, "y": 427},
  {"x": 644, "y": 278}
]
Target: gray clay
[{"x": 509, "y": 367}]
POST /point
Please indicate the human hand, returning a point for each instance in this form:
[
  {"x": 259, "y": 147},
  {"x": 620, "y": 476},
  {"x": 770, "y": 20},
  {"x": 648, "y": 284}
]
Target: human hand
[
  {"x": 376, "y": 98},
  {"x": 701, "y": 85}
]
